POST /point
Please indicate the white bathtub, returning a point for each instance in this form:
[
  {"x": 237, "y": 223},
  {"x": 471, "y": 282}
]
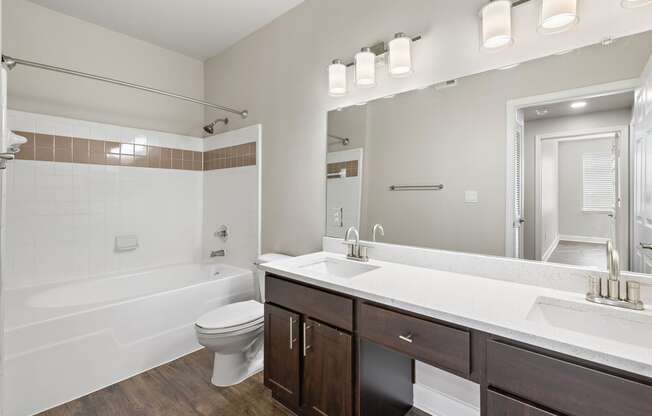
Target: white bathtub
[{"x": 65, "y": 341}]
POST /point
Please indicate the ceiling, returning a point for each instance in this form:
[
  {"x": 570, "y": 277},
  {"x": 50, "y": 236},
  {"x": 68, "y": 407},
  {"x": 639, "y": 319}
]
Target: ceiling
[
  {"x": 594, "y": 105},
  {"x": 197, "y": 28}
]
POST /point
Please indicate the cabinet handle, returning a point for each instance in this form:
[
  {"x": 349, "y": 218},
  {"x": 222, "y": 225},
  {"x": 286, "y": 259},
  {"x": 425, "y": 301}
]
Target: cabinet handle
[
  {"x": 306, "y": 347},
  {"x": 291, "y": 335},
  {"x": 407, "y": 338}
]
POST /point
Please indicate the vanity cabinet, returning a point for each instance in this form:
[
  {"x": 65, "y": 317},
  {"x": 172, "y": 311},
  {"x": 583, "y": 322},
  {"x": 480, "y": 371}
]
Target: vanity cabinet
[
  {"x": 282, "y": 354},
  {"x": 327, "y": 371},
  {"x": 329, "y": 354},
  {"x": 562, "y": 385},
  {"x": 308, "y": 350}
]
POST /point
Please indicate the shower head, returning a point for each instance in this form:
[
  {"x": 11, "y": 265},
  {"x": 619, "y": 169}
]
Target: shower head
[
  {"x": 209, "y": 128},
  {"x": 8, "y": 63}
]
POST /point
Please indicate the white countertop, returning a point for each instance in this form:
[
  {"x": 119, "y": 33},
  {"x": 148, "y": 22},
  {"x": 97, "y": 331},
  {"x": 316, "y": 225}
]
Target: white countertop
[{"x": 494, "y": 306}]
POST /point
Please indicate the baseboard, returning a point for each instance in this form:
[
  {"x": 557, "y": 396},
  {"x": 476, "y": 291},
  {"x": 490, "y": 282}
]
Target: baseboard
[
  {"x": 583, "y": 239},
  {"x": 551, "y": 249},
  {"x": 439, "y": 404}
]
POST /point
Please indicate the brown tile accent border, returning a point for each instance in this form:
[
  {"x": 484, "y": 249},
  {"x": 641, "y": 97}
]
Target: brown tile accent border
[
  {"x": 47, "y": 147},
  {"x": 351, "y": 167},
  {"x": 231, "y": 157}
]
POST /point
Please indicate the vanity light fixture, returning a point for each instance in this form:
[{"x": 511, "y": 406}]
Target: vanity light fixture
[
  {"x": 400, "y": 55},
  {"x": 632, "y": 4},
  {"x": 365, "y": 68},
  {"x": 337, "y": 78},
  {"x": 497, "y": 24},
  {"x": 396, "y": 54},
  {"x": 578, "y": 104},
  {"x": 557, "y": 15}
]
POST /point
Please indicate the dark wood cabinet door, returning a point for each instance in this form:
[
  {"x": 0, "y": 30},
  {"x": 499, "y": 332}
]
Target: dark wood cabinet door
[
  {"x": 327, "y": 370},
  {"x": 282, "y": 355},
  {"x": 499, "y": 404}
]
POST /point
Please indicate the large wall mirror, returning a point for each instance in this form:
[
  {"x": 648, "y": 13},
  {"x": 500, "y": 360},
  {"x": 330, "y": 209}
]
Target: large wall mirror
[{"x": 541, "y": 161}]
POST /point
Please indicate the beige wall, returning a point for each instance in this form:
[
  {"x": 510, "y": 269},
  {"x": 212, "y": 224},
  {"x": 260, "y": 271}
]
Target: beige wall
[
  {"x": 279, "y": 74},
  {"x": 38, "y": 34}
]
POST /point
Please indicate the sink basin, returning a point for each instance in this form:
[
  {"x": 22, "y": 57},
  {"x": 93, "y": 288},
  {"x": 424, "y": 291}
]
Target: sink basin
[
  {"x": 634, "y": 328},
  {"x": 337, "y": 268}
]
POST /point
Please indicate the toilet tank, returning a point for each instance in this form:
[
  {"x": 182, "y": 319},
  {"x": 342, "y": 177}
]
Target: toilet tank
[{"x": 260, "y": 274}]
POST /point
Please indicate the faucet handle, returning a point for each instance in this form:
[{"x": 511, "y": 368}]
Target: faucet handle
[{"x": 595, "y": 286}]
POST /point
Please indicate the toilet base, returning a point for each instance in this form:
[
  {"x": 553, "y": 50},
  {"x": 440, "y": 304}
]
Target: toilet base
[{"x": 232, "y": 369}]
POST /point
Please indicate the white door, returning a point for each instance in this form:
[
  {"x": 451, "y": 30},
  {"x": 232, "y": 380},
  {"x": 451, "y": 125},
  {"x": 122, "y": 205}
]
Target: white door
[{"x": 641, "y": 133}]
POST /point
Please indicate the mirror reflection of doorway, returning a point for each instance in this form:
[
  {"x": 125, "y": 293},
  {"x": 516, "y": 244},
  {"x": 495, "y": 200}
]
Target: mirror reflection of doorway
[{"x": 575, "y": 180}]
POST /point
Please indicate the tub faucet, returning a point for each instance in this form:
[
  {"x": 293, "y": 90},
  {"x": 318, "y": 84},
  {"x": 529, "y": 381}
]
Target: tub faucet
[
  {"x": 218, "y": 253},
  {"x": 629, "y": 298}
]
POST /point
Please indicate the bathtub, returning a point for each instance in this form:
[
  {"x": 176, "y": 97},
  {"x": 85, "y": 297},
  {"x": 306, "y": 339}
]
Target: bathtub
[{"x": 64, "y": 341}]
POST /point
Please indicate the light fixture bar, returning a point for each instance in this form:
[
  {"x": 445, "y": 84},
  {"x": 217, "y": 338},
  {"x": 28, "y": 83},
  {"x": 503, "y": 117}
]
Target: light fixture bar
[{"x": 380, "y": 49}]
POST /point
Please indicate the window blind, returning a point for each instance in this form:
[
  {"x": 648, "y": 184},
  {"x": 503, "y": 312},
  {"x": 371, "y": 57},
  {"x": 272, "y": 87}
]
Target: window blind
[{"x": 598, "y": 182}]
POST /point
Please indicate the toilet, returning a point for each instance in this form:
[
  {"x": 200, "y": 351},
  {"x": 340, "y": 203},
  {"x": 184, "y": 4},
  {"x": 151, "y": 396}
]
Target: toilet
[{"x": 234, "y": 332}]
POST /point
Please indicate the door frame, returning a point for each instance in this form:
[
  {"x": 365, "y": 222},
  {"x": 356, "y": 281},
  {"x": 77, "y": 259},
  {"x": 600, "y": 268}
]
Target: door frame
[
  {"x": 616, "y": 132},
  {"x": 512, "y": 107}
]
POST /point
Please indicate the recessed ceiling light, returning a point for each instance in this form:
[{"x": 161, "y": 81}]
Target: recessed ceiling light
[
  {"x": 578, "y": 104},
  {"x": 541, "y": 111}
]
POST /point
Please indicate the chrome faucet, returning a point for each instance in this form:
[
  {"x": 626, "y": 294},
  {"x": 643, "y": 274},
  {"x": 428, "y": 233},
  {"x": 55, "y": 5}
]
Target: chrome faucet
[
  {"x": 355, "y": 251},
  {"x": 629, "y": 298},
  {"x": 218, "y": 253},
  {"x": 377, "y": 227}
]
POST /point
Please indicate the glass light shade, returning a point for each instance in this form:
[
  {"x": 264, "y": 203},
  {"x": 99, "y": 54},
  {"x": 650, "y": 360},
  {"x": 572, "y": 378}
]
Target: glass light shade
[
  {"x": 632, "y": 4},
  {"x": 365, "y": 68},
  {"x": 337, "y": 78},
  {"x": 400, "y": 56},
  {"x": 557, "y": 15},
  {"x": 497, "y": 24}
]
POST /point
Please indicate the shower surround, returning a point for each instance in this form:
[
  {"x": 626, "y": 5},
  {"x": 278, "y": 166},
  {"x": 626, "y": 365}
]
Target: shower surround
[{"x": 76, "y": 187}]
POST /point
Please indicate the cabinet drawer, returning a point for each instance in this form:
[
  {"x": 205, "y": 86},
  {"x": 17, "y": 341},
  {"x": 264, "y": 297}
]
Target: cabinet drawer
[
  {"x": 501, "y": 405},
  {"x": 327, "y": 307},
  {"x": 433, "y": 343},
  {"x": 562, "y": 386}
]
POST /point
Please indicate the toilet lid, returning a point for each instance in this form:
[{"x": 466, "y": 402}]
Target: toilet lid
[{"x": 232, "y": 316}]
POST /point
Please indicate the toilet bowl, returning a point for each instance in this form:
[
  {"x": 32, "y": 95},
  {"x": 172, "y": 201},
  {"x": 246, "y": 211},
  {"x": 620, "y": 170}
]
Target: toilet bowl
[{"x": 234, "y": 333}]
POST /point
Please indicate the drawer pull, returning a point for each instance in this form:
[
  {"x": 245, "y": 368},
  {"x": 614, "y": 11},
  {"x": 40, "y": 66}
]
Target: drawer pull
[{"x": 407, "y": 338}]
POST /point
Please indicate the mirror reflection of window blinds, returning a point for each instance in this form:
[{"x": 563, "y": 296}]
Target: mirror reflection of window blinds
[{"x": 598, "y": 182}]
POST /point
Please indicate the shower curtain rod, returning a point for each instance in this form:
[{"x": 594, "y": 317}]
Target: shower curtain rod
[{"x": 10, "y": 62}]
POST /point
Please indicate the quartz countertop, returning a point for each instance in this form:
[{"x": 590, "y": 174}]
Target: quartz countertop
[{"x": 498, "y": 307}]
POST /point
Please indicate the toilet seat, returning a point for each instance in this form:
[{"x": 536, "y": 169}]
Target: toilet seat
[{"x": 234, "y": 317}]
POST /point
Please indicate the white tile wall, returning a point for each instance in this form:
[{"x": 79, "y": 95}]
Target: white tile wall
[
  {"x": 232, "y": 198},
  {"x": 46, "y": 124},
  {"x": 62, "y": 218}
]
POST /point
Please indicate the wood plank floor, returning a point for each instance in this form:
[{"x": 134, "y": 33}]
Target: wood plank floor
[
  {"x": 580, "y": 254},
  {"x": 180, "y": 388}
]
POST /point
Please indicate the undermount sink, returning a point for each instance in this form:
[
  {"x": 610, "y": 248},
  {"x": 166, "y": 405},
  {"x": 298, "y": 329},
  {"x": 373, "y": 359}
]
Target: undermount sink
[
  {"x": 338, "y": 268},
  {"x": 634, "y": 328}
]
